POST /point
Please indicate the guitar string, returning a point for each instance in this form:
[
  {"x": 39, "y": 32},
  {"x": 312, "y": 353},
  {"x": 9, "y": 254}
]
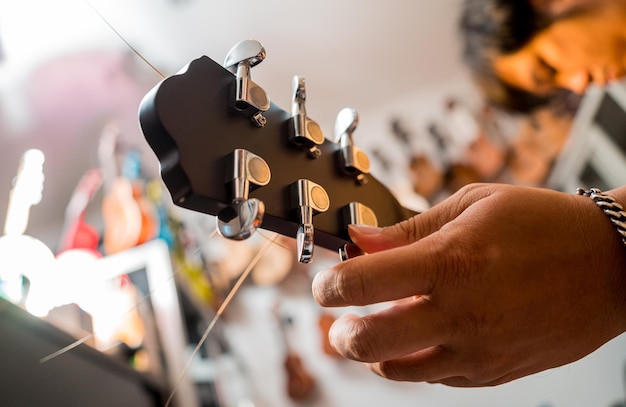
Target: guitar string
[
  {"x": 121, "y": 37},
  {"x": 66, "y": 349},
  {"x": 144, "y": 299},
  {"x": 233, "y": 291},
  {"x": 219, "y": 313},
  {"x": 145, "y": 60}
]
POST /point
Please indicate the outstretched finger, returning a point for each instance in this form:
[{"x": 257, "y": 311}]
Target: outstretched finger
[
  {"x": 392, "y": 333},
  {"x": 384, "y": 276}
]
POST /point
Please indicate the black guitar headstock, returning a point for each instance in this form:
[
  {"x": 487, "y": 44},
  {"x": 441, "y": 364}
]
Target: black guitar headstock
[{"x": 226, "y": 150}]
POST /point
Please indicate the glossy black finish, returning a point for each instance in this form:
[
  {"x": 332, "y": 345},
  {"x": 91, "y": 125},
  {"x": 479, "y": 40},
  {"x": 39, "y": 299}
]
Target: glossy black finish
[{"x": 188, "y": 122}]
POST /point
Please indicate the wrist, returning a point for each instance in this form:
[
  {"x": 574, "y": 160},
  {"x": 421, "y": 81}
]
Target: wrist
[
  {"x": 611, "y": 230},
  {"x": 611, "y": 208}
]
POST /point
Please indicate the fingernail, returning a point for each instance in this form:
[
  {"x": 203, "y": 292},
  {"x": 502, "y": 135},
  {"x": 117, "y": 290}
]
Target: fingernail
[
  {"x": 364, "y": 229},
  {"x": 355, "y": 230}
]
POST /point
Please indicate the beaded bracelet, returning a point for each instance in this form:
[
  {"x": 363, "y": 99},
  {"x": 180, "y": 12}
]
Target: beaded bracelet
[{"x": 612, "y": 209}]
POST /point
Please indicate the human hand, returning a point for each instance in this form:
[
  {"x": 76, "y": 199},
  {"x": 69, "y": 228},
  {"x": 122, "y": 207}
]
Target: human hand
[{"x": 500, "y": 281}]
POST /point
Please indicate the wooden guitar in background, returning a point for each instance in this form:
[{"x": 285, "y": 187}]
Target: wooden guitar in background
[
  {"x": 77, "y": 233},
  {"x": 301, "y": 385},
  {"x": 129, "y": 219},
  {"x": 226, "y": 150}
]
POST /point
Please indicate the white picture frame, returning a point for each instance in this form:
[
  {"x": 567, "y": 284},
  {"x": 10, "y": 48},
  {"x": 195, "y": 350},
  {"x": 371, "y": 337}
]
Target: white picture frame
[{"x": 154, "y": 258}]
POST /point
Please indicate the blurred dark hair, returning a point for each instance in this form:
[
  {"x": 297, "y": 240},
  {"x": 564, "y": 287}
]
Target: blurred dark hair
[{"x": 490, "y": 28}]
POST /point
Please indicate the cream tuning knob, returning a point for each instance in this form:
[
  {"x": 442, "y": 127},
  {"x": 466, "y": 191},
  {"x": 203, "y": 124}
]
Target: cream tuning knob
[{"x": 356, "y": 213}]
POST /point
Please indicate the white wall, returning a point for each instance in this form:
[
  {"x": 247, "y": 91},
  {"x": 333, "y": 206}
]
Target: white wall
[{"x": 595, "y": 381}]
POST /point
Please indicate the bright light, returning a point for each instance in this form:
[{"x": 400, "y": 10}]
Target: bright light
[
  {"x": 77, "y": 279},
  {"x": 22, "y": 255},
  {"x": 33, "y": 31},
  {"x": 27, "y": 191}
]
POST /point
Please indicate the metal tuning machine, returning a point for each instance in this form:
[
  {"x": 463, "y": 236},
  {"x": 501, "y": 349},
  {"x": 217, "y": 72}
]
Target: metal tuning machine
[
  {"x": 357, "y": 214},
  {"x": 240, "y": 219},
  {"x": 250, "y": 98},
  {"x": 309, "y": 199},
  {"x": 353, "y": 160},
  {"x": 307, "y": 134}
]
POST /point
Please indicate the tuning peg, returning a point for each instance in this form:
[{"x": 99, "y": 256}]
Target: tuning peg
[
  {"x": 357, "y": 214},
  {"x": 306, "y": 132},
  {"x": 310, "y": 199},
  {"x": 350, "y": 251},
  {"x": 354, "y": 160},
  {"x": 250, "y": 98},
  {"x": 244, "y": 215}
]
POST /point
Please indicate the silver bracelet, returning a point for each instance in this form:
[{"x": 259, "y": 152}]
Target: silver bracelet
[{"x": 612, "y": 209}]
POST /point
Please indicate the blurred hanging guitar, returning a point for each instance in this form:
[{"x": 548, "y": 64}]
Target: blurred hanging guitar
[
  {"x": 128, "y": 217},
  {"x": 226, "y": 150},
  {"x": 77, "y": 233},
  {"x": 131, "y": 170},
  {"x": 301, "y": 385}
]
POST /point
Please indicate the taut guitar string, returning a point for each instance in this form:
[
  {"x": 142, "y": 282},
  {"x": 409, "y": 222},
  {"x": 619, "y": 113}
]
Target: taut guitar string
[
  {"x": 219, "y": 313},
  {"x": 270, "y": 241},
  {"x": 66, "y": 348},
  {"x": 121, "y": 37}
]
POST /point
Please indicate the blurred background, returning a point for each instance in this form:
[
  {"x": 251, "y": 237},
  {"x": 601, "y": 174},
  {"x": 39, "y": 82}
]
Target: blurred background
[{"x": 72, "y": 76}]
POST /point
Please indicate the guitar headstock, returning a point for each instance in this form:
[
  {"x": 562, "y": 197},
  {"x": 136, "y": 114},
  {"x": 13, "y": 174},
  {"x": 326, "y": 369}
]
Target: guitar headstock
[{"x": 226, "y": 150}]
